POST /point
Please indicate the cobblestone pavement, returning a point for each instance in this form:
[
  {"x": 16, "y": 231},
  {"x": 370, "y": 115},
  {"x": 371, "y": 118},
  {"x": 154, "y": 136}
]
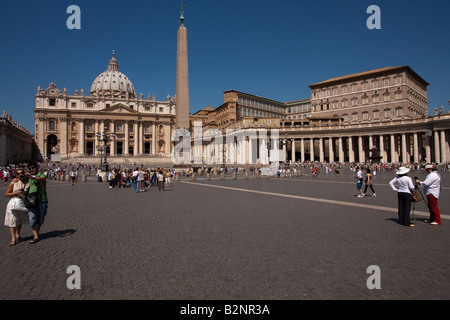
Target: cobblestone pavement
[{"x": 274, "y": 239}]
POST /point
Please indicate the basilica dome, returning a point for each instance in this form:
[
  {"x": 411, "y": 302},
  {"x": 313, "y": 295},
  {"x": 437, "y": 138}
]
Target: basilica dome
[{"x": 113, "y": 83}]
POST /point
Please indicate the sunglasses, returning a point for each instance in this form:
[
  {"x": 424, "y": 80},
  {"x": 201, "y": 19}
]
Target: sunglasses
[{"x": 19, "y": 172}]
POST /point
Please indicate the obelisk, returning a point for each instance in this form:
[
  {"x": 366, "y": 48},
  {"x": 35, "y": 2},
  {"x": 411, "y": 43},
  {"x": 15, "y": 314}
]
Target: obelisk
[{"x": 182, "y": 85}]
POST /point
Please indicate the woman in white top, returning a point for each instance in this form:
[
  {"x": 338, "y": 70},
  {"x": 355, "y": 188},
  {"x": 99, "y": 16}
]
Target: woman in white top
[
  {"x": 15, "y": 218},
  {"x": 404, "y": 188}
]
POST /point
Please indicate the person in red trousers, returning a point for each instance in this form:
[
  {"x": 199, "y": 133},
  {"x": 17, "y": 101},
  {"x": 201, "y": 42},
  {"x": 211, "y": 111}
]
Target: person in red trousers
[{"x": 432, "y": 188}]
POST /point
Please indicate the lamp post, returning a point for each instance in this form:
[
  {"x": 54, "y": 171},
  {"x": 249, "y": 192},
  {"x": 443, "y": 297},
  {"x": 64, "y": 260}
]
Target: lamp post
[
  {"x": 104, "y": 137},
  {"x": 284, "y": 143}
]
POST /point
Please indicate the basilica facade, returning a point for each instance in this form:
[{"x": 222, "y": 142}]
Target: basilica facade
[{"x": 76, "y": 124}]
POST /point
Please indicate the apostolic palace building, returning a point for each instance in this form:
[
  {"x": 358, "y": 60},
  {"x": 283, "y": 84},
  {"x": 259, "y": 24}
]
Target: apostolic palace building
[{"x": 343, "y": 120}]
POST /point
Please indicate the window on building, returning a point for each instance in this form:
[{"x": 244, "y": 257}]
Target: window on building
[
  {"x": 52, "y": 102},
  {"x": 74, "y": 104},
  {"x": 365, "y": 115},
  {"x": 354, "y": 116},
  {"x": 399, "y": 112},
  {"x": 387, "y": 113},
  {"x": 365, "y": 99},
  {"x": 345, "y": 117},
  {"x": 376, "y": 114}
]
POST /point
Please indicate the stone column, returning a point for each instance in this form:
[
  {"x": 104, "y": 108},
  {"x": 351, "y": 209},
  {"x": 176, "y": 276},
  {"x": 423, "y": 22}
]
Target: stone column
[
  {"x": 311, "y": 151},
  {"x": 41, "y": 132},
  {"x": 263, "y": 152},
  {"x": 443, "y": 149},
  {"x": 127, "y": 138},
  {"x": 393, "y": 149},
  {"x": 321, "y": 150},
  {"x": 351, "y": 152},
  {"x": 96, "y": 153},
  {"x": 82, "y": 143},
  {"x": 302, "y": 149},
  {"x": 382, "y": 152},
  {"x": 64, "y": 150},
  {"x": 341, "y": 150},
  {"x": 330, "y": 150},
  {"x": 141, "y": 137},
  {"x": 136, "y": 138},
  {"x": 437, "y": 152},
  {"x": 416, "y": 147},
  {"x": 154, "y": 138},
  {"x": 293, "y": 151},
  {"x": 360, "y": 150},
  {"x": 404, "y": 160},
  {"x": 112, "y": 129},
  {"x": 428, "y": 148}
]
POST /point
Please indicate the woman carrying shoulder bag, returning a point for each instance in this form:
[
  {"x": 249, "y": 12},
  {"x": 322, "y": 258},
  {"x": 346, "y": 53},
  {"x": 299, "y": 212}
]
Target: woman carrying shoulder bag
[{"x": 16, "y": 212}]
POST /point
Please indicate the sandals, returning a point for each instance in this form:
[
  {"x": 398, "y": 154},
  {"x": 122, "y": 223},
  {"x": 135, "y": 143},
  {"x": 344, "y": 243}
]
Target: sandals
[
  {"x": 34, "y": 240},
  {"x": 13, "y": 243}
]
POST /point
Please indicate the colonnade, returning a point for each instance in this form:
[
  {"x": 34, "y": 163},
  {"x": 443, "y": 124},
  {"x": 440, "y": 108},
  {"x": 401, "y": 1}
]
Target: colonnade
[
  {"x": 405, "y": 147},
  {"x": 430, "y": 145}
]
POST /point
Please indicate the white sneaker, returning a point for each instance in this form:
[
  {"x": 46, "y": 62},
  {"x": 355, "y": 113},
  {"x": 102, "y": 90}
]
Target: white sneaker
[
  {"x": 359, "y": 196},
  {"x": 434, "y": 223},
  {"x": 374, "y": 195}
]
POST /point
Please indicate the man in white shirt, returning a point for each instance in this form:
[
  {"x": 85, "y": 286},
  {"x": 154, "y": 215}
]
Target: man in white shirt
[
  {"x": 136, "y": 178},
  {"x": 432, "y": 188},
  {"x": 359, "y": 182}
]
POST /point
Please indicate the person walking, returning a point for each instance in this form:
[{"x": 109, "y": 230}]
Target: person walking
[
  {"x": 5, "y": 175},
  {"x": 36, "y": 214},
  {"x": 432, "y": 189},
  {"x": 405, "y": 186},
  {"x": 359, "y": 181},
  {"x": 16, "y": 213},
  {"x": 368, "y": 182},
  {"x": 73, "y": 176}
]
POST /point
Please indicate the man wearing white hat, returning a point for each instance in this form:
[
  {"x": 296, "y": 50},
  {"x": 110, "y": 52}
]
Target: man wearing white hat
[
  {"x": 405, "y": 186},
  {"x": 432, "y": 188}
]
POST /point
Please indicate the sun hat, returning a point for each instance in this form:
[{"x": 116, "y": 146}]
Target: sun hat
[
  {"x": 403, "y": 170},
  {"x": 429, "y": 166}
]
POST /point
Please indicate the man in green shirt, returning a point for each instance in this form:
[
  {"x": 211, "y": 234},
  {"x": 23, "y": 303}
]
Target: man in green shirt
[{"x": 36, "y": 214}]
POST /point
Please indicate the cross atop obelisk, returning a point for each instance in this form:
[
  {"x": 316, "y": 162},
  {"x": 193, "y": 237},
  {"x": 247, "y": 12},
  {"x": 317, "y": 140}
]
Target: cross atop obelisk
[
  {"x": 182, "y": 11},
  {"x": 182, "y": 85}
]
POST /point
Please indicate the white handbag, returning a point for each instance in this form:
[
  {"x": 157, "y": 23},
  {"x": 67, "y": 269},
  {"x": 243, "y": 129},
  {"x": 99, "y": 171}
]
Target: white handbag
[{"x": 18, "y": 205}]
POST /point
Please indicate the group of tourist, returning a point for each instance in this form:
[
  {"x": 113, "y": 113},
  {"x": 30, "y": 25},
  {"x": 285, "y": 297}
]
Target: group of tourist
[
  {"x": 404, "y": 186},
  {"x": 139, "y": 178},
  {"x": 28, "y": 203},
  {"x": 407, "y": 191}
]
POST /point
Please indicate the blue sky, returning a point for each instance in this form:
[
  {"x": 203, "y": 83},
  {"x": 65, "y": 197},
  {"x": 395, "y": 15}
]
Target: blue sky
[{"x": 269, "y": 48}]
